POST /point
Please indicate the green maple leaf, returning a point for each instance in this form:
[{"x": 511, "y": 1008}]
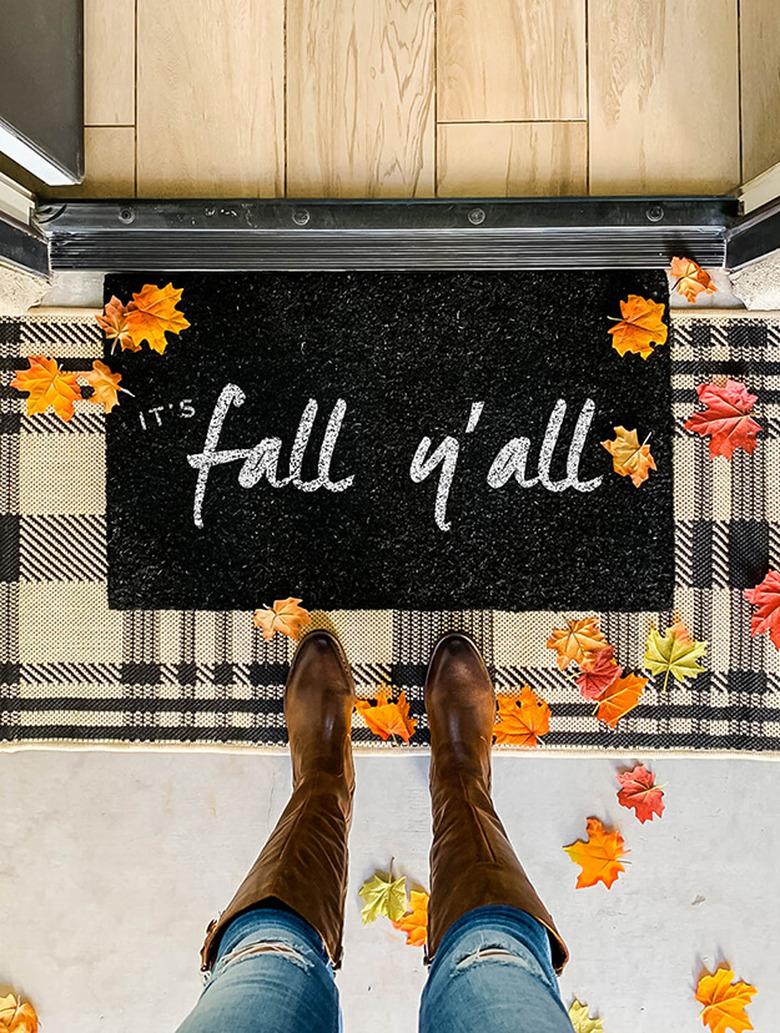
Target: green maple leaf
[
  {"x": 384, "y": 896},
  {"x": 674, "y": 652},
  {"x": 581, "y": 1020}
]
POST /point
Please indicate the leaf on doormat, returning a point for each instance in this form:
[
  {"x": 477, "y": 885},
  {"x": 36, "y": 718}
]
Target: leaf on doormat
[
  {"x": 579, "y": 641},
  {"x": 629, "y": 457},
  {"x": 17, "y": 1016},
  {"x": 674, "y": 652},
  {"x": 415, "y": 922},
  {"x": 384, "y": 896},
  {"x": 599, "y": 856},
  {"x": 724, "y": 1001},
  {"x": 639, "y": 793},
  {"x": 49, "y": 387},
  {"x": 285, "y": 616},
  {"x": 597, "y": 675},
  {"x": 619, "y": 698},
  {"x": 726, "y": 420},
  {"x": 581, "y": 1020},
  {"x": 152, "y": 313},
  {"x": 386, "y": 718},
  {"x": 641, "y": 327},
  {"x": 522, "y": 718},
  {"x": 113, "y": 322},
  {"x": 690, "y": 279},
  {"x": 766, "y": 596},
  {"x": 105, "y": 385}
]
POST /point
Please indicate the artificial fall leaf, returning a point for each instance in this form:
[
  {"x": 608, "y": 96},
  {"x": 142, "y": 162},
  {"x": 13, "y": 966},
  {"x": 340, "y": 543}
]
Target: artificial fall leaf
[
  {"x": 619, "y": 698},
  {"x": 581, "y": 1020},
  {"x": 17, "y": 1016},
  {"x": 152, "y": 313},
  {"x": 597, "y": 675},
  {"x": 522, "y": 718},
  {"x": 690, "y": 279},
  {"x": 629, "y": 457},
  {"x": 639, "y": 793},
  {"x": 766, "y": 596},
  {"x": 384, "y": 896},
  {"x": 285, "y": 616},
  {"x": 579, "y": 641},
  {"x": 113, "y": 323},
  {"x": 415, "y": 922},
  {"x": 641, "y": 327},
  {"x": 386, "y": 718},
  {"x": 724, "y": 1001},
  {"x": 49, "y": 387},
  {"x": 104, "y": 384},
  {"x": 726, "y": 420},
  {"x": 599, "y": 856},
  {"x": 674, "y": 652}
]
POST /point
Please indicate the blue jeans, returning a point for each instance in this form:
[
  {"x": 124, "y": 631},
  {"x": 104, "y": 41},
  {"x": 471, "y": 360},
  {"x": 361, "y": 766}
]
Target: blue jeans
[{"x": 492, "y": 972}]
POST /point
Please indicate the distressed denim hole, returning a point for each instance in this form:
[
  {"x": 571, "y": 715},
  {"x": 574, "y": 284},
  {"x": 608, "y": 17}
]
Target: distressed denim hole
[
  {"x": 501, "y": 956},
  {"x": 280, "y": 950}
]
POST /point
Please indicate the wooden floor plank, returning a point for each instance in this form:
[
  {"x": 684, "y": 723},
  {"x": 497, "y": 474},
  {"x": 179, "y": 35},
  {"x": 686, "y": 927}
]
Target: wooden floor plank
[
  {"x": 109, "y": 164},
  {"x": 663, "y": 83},
  {"x": 520, "y": 159},
  {"x": 360, "y": 109},
  {"x": 760, "y": 45},
  {"x": 109, "y": 62},
  {"x": 510, "y": 59},
  {"x": 211, "y": 98}
]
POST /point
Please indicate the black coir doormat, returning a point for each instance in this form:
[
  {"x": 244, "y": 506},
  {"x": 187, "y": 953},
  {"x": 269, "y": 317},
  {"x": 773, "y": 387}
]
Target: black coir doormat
[{"x": 405, "y": 440}]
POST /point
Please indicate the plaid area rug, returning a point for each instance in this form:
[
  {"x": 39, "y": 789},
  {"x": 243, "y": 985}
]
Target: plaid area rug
[{"x": 74, "y": 671}]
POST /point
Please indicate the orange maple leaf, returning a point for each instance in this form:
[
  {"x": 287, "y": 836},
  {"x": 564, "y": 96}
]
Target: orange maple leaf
[
  {"x": 724, "y": 1001},
  {"x": 641, "y": 327},
  {"x": 619, "y": 698},
  {"x": 522, "y": 718},
  {"x": 690, "y": 279},
  {"x": 49, "y": 387},
  {"x": 105, "y": 385},
  {"x": 285, "y": 616},
  {"x": 726, "y": 421},
  {"x": 766, "y": 596},
  {"x": 629, "y": 458},
  {"x": 152, "y": 313},
  {"x": 598, "y": 674},
  {"x": 638, "y": 792},
  {"x": 113, "y": 323},
  {"x": 415, "y": 922},
  {"x": 599, "y": 856},
  {"x": 579, "y": 641},
  {"x": 387, "y": 718},
  {"x": 17, "y": 1016}
]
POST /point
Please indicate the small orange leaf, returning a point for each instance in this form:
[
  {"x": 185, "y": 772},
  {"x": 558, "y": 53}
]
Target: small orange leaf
[
  {"x": 598, "y": 674},
  {"x": 598, "y": 856},
  {"x": 415, "y": 922},
  {"x": 724, "y": 1001},
  {"x": 152, "y": 313},
  {"x": 113, "y": 323},
  {"x": 619, "y": 698},
  {"x": 104, "y": 384},
  {"x": 285, "y": 616},
  {"x": 579, "y": 641},
  {"x": 690, "y": 279},
  {"x": 387, "y": 718},
  {"x": 17, "y": 1016},
  {"x": 49, "y": 387},
  {"x": 629, "y": 458},
  {"x": 522, "y": 718},
  {"x": 641, "y": 327}
]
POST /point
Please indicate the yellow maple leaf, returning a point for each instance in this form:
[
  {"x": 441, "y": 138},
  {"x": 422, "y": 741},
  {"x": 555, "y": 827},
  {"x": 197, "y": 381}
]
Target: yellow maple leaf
[
  {"x": 49, "y": 387},
  {"x": 17, "y": 1016},
  {"x": 599, "y": 856},
  {"x": 385, "y": 717},
  {"x": 581, "y": 1020},
  {"x": 641, "y": 327},
  {"x": 285, "y": 616},
  {"x": 619, "y": 698},
  {"x": 579, "y": 641},
  {"x": 152, "y": 313},
  {"x": 724, "y": 1001},
  {"x": 105, "y": 385},
  {"x": 629, "y": 458},
  {"x": 415, "y": 922},
  {"x": 522, "y": 718},
  {"x": 674, "y": 652},
  {"x": 384, "y": 895}
]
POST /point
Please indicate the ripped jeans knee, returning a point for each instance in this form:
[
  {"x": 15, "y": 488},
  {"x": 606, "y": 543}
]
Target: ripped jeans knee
[
  {"x": 493, "y": 954},
  {"x": 277, "y": 948}
]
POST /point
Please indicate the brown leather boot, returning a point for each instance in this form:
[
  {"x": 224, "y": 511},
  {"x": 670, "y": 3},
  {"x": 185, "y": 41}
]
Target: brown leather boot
[
  {"x": 304, "y": 862},
  {"x": 472, "y": 861}
]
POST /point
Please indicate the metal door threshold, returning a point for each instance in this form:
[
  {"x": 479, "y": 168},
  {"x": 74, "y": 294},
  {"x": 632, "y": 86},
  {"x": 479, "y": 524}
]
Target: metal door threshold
[{"x": 543, "y": 233}]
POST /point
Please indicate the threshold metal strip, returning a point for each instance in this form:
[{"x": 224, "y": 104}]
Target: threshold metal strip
[{"x": 543, "y": 233}]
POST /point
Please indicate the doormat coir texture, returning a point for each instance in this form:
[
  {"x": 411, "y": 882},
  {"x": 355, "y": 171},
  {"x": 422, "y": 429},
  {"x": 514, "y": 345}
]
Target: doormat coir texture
[{"x": 74, "y": 670}]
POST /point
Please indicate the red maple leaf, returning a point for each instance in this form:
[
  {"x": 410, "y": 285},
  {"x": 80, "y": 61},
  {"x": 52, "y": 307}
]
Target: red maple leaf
[
  {"x": 639, "y": 793},
  {"x": 725, "y": 420},
  {"x": 766, "y": 596},
  {"x": 599, "y": 674}
]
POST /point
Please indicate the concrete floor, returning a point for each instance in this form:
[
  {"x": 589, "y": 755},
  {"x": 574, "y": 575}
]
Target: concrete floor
[{"x": 112, "y": 863}]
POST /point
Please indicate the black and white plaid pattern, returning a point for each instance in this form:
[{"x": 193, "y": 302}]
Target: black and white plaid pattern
[{"x": 72, "y": 670}]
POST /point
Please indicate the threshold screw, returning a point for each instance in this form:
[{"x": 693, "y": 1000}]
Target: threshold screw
[
  {"x": 655, "y": 213},
  {"x": 477, "y": 216},
  {"x": 300, "y": 216},
  {"x": 126, "y": 215}
]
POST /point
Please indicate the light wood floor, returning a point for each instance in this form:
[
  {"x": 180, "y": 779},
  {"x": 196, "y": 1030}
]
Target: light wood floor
[{"x": 418, "y": 98}]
